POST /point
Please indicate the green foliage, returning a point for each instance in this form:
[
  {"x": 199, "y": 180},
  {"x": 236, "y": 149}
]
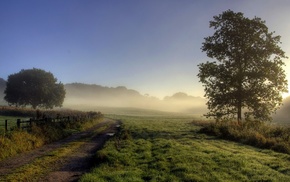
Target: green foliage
[
  {"x": 253, "y": 133},
  {"x": 34, "y": 87},
  {"x": 164, "y": 148},
  {"x": 249, "y": 71}
]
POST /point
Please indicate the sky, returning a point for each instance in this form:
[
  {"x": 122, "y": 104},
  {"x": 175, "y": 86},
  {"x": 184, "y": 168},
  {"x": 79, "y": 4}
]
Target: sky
[{"x": 152, "y": 46}]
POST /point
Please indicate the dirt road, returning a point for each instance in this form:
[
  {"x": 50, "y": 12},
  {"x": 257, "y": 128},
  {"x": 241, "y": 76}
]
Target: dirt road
[{"x": 71, "y": 166}]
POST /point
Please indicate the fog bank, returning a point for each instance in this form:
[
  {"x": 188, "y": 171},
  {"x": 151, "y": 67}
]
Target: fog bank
[{"x": 84, "y": 96}]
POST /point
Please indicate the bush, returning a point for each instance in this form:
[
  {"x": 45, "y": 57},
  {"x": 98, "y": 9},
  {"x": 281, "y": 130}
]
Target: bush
[
  {"x": 49, "y": 132},
  {"x": 282, "y": 147},
  {"x": 253, "y": 133}
]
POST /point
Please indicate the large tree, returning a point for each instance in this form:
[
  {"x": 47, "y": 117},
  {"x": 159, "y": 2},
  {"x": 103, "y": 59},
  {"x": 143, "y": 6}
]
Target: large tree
[
  {"x": 35, "y": 88},
  {"x": 247, "y": 75}
]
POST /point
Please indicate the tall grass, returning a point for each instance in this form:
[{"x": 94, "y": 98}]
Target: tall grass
[
  {"x": 172, "y": 149},
  {"x": 255, "y": 133},
  {"x": 18, "y": 141}
]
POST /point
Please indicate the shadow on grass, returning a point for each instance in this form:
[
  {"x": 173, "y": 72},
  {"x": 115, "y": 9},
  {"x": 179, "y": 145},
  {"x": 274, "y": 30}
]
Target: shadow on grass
[{"x": 176, "y": 135}]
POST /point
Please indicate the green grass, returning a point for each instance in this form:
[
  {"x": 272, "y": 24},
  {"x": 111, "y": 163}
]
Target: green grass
[
  {"x": 160, "y": 148},
  {"x": 255, "y": 133},
  {"x": 128, "y": 111},
  {"x": 11, "y": 122},
  {"x": 19, "y": 141},
  {"x": 51, "y": 161},
  {"x": 43, "y": 165}
]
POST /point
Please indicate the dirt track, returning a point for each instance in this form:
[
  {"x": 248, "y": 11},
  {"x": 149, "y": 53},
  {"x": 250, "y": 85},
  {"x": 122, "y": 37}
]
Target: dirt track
[{"x": 72, "y": 166}]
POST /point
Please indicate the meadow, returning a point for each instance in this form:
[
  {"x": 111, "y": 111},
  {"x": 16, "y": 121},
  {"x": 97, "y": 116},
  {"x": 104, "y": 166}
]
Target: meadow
[
  {"x": 171, "y": 148},
  {"x": 11, "y": 122}
]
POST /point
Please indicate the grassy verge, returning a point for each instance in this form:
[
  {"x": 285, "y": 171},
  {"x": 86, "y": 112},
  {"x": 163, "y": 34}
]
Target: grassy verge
[
  {"x": 253, "y": 133},
  {"x": 18, "y": 141},
  {"x": 49, "y": 162},
  {"x": 172, "y": 149},
  {"x": 41, "y": 166}
]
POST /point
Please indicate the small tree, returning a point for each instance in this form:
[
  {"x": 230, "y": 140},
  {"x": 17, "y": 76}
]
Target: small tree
[
  {"x": 34, "y": 87},
  {"x": 248, "y": 74}
]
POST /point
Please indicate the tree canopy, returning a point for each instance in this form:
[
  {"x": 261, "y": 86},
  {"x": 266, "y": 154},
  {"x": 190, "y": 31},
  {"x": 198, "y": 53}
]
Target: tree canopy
[
  {"x": 35, "y": 88},
  {"x": 247, "y": 76}
]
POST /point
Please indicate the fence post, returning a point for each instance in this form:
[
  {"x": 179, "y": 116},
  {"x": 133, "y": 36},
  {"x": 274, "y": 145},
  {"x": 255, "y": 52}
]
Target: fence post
[
  {"x": 18, "y": 123},
  {"x": 6, "y": 125},
  {"x": 30, "y": 123}
]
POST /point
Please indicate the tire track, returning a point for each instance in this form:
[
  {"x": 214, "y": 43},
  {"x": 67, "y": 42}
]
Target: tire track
[{"x": 70, "y": 167}]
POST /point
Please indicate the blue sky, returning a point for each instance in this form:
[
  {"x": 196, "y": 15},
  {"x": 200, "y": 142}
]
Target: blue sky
[{"x": 152, "y": 46}]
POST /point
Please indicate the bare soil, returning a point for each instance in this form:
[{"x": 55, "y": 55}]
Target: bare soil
[{"x": 72, "y": 166}]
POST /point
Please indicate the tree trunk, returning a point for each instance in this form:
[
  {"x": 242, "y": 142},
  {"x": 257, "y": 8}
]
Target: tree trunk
[
  {"x": 240, "y": 91},
  {"x": 239, "y": 111},
  {"x": 240, "y": 100}
]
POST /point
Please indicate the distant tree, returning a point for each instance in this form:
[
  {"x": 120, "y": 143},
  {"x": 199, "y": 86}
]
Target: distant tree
[
  {"x": 35, "y": 88},
  {"x": 248, "y": 74}
]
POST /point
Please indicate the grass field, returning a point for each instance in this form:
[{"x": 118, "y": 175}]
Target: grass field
[
  {"x": 11, "y": 121},
  {"x": 170, "y": 148}
]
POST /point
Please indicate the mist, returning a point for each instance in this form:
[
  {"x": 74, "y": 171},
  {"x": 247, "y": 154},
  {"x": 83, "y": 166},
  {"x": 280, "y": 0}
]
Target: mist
[
  {"x": 89, "y": 97},
  {"x": 283, "y": 114},
  {"x": 99, "y": 98}
]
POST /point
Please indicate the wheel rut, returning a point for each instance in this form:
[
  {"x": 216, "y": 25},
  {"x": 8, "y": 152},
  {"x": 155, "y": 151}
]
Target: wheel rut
[{"x": 72, "y": 166}]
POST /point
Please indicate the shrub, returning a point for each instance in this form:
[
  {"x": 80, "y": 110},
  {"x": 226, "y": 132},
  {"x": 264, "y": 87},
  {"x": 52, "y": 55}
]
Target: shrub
[{"x": 253, "y": 133}]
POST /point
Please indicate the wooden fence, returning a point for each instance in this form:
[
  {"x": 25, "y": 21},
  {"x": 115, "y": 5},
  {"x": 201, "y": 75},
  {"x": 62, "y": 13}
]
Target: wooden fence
[
  {"x": 27, "y": 124},
  {"x": 5, "y": 125}
]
